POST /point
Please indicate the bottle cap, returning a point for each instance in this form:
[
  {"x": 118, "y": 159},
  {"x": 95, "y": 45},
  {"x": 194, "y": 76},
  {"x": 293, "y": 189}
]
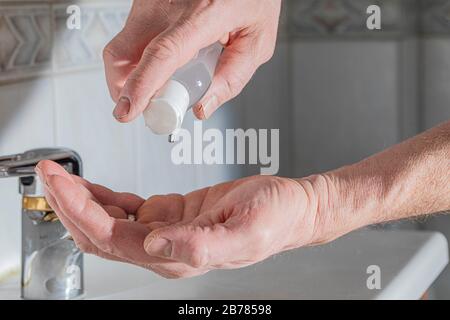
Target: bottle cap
[{"x": 166, "y": 110}]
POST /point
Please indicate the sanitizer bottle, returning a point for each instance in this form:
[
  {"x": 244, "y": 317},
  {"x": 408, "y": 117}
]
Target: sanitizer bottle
[{"x": 166, "y": 110}]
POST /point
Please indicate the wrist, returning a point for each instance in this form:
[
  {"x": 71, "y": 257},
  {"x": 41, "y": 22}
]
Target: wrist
[{"x": 341, "y": 203}]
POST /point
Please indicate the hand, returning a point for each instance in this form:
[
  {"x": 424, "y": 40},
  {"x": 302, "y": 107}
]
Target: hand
[
  {"x": 230, "y": 225},
  {"x": 160, "y": 36}
]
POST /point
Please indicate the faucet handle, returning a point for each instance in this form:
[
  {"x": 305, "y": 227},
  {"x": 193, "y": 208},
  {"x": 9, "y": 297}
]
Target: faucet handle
[{"x": 23, "y": 164}]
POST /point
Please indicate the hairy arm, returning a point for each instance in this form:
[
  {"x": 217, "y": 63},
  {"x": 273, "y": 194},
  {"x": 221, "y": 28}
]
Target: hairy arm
[
  {"x": 407, "y": 180},
  {"x": 241, "y": 222}
]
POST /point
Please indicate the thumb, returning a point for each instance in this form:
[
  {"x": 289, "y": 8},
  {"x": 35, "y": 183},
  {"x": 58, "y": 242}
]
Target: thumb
[
  {"x": 166, "y": 53},
  {"x": 198, "y": 246}
]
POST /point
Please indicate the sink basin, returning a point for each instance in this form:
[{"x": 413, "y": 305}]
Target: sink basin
[
  {"x": 409, "y": 262},
  {"x": 102, "y": 278}
]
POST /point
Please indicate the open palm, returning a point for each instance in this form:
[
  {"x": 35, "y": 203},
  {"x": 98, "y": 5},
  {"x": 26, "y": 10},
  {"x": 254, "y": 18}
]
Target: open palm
[{"x": 229, "y": 225}]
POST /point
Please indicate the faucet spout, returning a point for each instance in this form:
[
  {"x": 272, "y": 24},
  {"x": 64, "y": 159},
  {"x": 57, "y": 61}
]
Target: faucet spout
[{"x": 52, "y": 266}]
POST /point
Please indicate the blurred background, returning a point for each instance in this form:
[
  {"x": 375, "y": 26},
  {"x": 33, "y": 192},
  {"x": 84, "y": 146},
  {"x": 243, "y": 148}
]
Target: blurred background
[{"x": 337, "y": 91}]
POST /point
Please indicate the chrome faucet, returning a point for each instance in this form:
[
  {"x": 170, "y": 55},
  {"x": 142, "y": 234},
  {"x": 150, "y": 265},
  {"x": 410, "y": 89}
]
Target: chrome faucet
[{"x": 52, "y": 266}]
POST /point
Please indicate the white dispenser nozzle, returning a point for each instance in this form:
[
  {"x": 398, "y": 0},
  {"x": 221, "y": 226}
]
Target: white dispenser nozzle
[
  {"x": 165, "y": 112},
  {"x": 167, "y": 109}
]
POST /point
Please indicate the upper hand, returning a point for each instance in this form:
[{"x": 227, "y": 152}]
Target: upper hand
[
  {"x": 229, "y": 225},
  {"x": 160, "y": 36}
]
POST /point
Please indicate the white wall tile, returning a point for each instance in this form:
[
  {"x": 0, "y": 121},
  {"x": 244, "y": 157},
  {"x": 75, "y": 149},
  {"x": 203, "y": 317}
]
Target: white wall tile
[
  {"x": 85, "y": 123},
  {"x": 338, "y": 122},
  {"x": 266, "y": 103},
  {"x": 26, "y": 122},
  {"x": 436, "y": 109},
  {"x": 436, "y": 81},
  {"x": 157, "y": 173},
  {"x": 226, "y": 117}
]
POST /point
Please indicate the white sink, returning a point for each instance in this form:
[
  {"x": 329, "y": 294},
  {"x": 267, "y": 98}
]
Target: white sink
[
  {"x": 409, "y": 262},
  {"x": 102, "y": 278}
]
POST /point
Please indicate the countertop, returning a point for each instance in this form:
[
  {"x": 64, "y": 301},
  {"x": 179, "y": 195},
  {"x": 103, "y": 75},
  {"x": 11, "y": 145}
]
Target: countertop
[{"x": 408, "y": 261}]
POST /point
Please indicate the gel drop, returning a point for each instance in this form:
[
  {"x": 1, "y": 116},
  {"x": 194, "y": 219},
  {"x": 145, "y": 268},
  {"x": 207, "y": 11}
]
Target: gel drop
[{"x": 166, "y": 110}]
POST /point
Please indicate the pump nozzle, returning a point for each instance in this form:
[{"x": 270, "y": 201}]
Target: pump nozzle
[{"x": 166, "y": 110}]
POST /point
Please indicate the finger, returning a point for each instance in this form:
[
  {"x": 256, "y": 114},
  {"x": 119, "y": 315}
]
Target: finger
[
  {"x": 161, "y": 208},
  {"x": 129, "y": 202},
  {"x": 157, "y": 225},
  {"x": 172, "y": 208},
  {"x": 225, "y": 39},
  {"x": 206, "y": 198},
  {"x": 81, "y": 241},
  {"x": 168, "y": 269},
  {"x": 48, "y": 167},
  {"x": 116, "y": 212},
  {"x": 116, "y": 204},
  {"x": 120, "y": 238},
  {"x": 118, "y": 66},
  {"x": 166, "y": 53},
  {"x": 204, "y": 246},
  {"x": 121, "y": 55},
  {"x": 235, "y": 68}
]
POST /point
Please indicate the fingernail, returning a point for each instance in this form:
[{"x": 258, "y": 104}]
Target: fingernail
[
  {"x": 209, "y": 106},
  {"x": 37, "y": 170},
  {"x": 40, "y": 175},
  {"x": 199, "y": 112},
  {"x": 159, "y": 247},
  {"x": 122, "y": 108}
]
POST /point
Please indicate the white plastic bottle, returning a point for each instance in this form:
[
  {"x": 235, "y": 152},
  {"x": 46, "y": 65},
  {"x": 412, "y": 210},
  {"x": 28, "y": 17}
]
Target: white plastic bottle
[{"x": 166, "y": 110}]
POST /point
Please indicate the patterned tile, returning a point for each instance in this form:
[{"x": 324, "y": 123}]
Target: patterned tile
[
  {"x": 83, "y": 48},
  {"x": 25, "y": 32},
  {"x": 435, "y": 17},
  {"x": 35, "y": 39},
  {"x": 348, "y": 17}
]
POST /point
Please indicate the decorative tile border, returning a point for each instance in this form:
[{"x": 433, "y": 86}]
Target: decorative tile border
[
  {"x": 35, "y": 40},
  {"x": 343, "y": 18},
  {"x": 317, "y": 18},
  {"x": 436, "y": 17},
  {"x": 74, "y": 48},
  {"x": 25, "y": 34}
]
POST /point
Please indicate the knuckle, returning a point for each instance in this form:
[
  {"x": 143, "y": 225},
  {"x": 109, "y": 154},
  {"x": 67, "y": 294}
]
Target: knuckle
[
  {"x": 106, "y": 237},
  {"x": 184, "y": 273},
  {"x": 163, "y": 49},
  {"x": 108, "y": 51},
  {"x": 268, "y": 54},
  {"x": 137, "y": 83},
  {"x": 262, "y": 243},
  {"x": 206, "y": 3},
  {"x": 197, "y": 252},
  {"x": 156, "y": 198},
  {"x": 167, "y": 272},
  {"x": 234, "y": 85},
  {"x": 87, "y": 248},
  {"x": 175, "y": 275},
  {"x": 113, "y": 48}
]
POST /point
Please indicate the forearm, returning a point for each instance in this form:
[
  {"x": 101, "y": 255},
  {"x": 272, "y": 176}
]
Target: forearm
[{"x": 407, "y": 180}]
